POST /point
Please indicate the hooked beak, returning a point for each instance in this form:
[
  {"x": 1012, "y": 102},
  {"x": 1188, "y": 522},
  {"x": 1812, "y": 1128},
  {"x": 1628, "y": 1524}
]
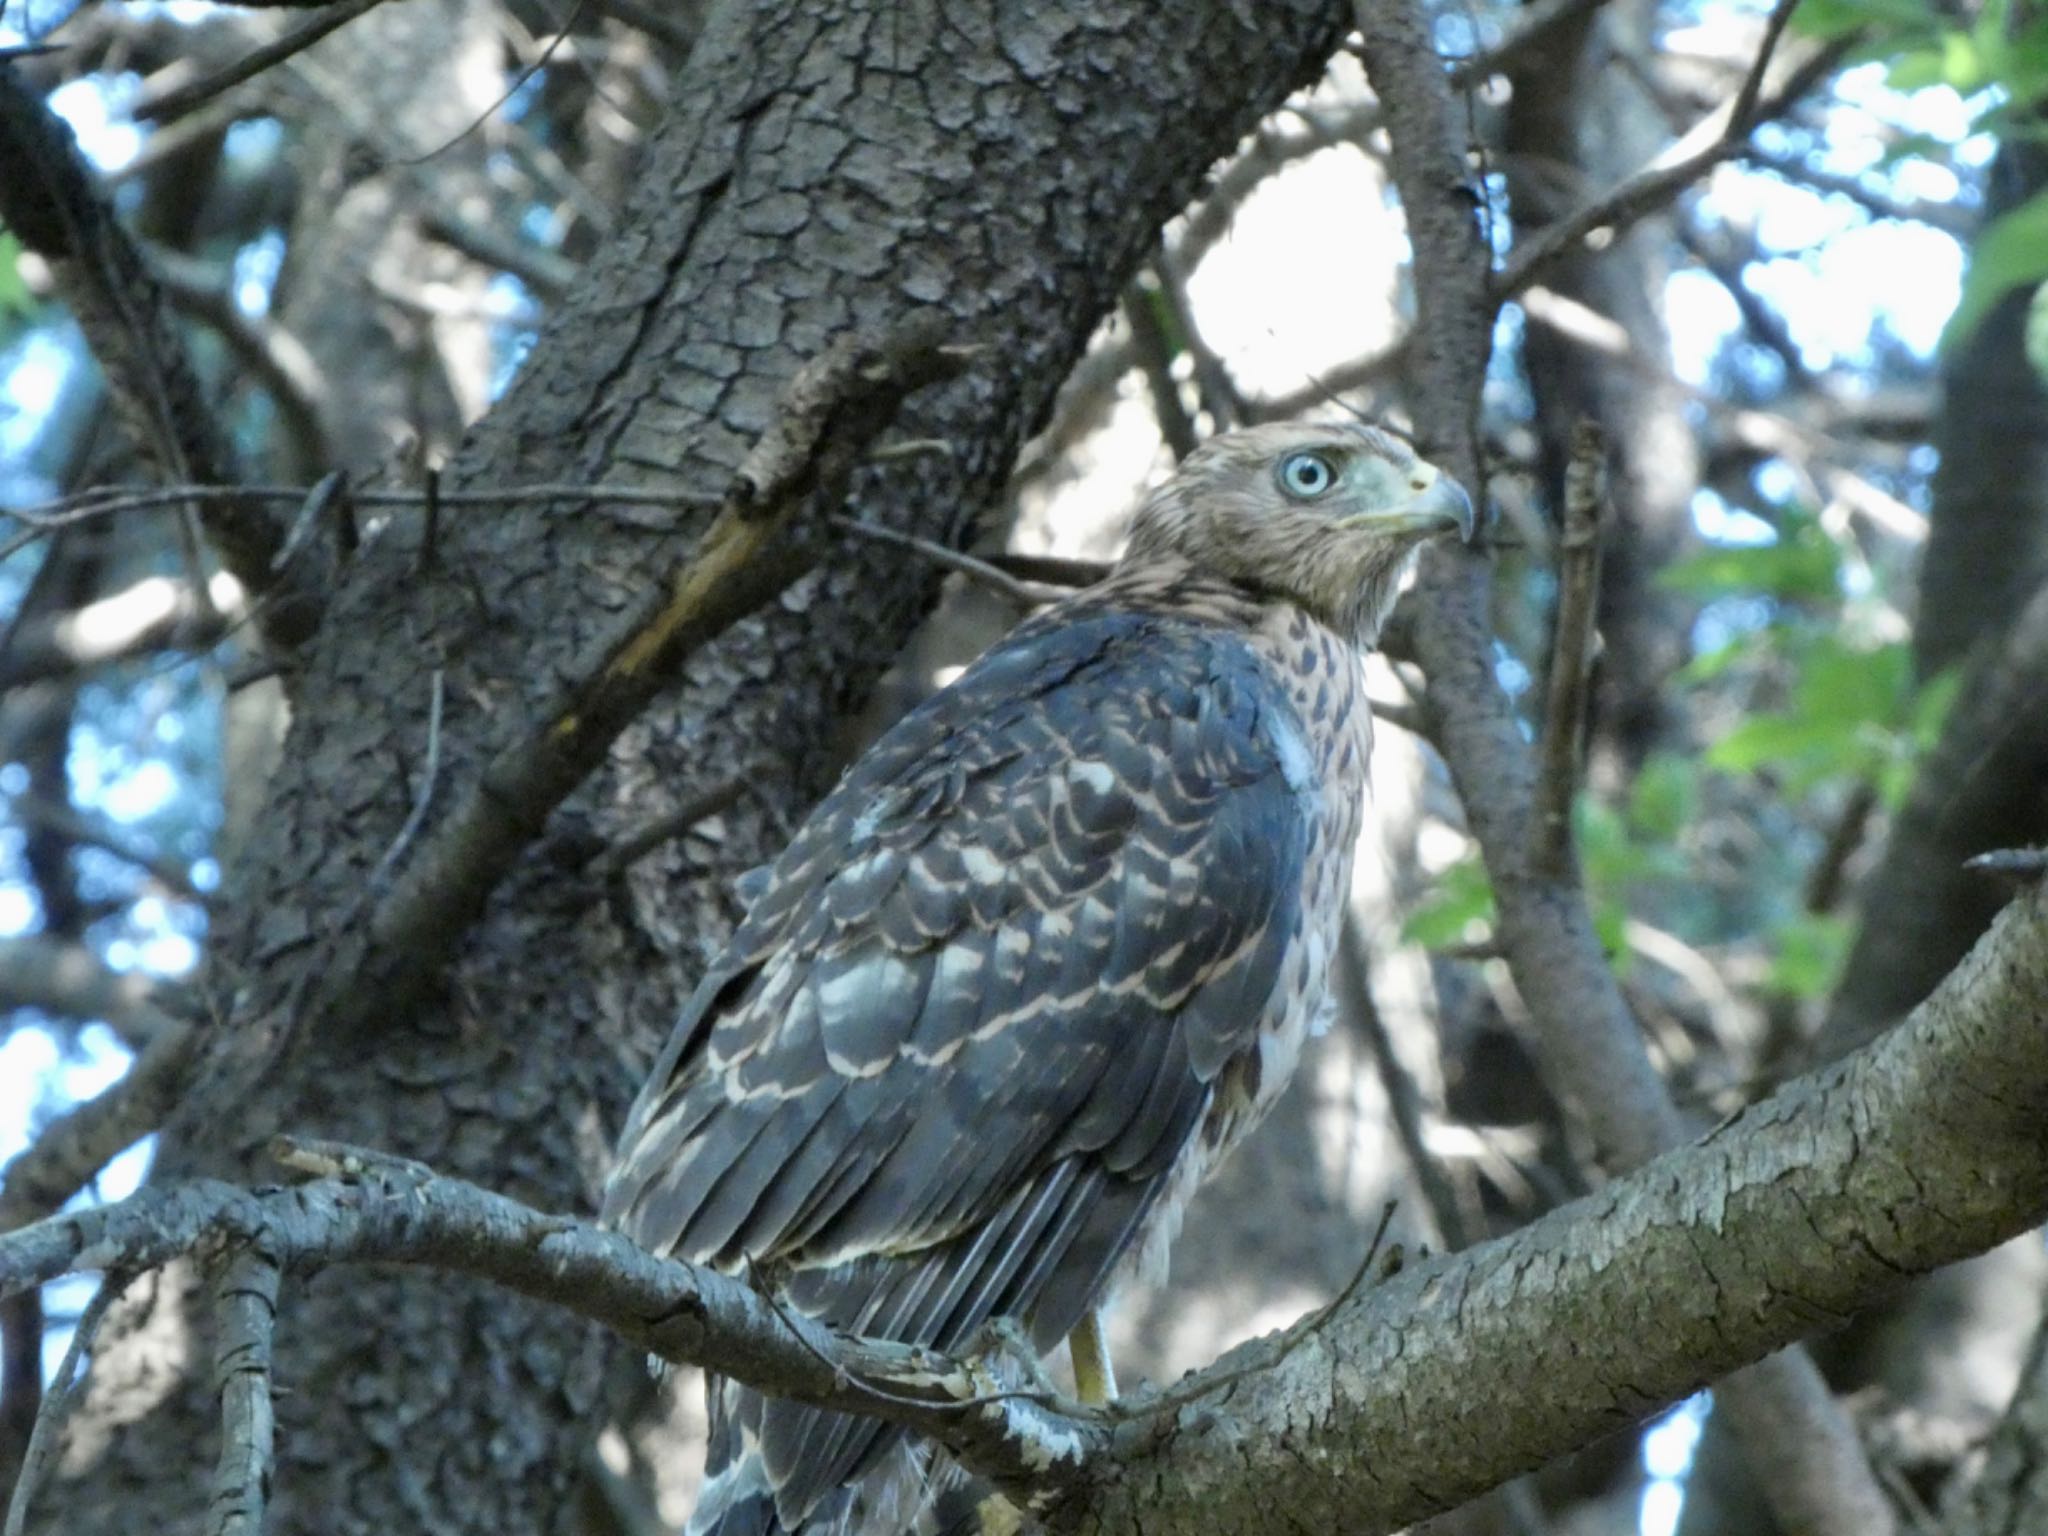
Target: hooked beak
[
  {"x": 1438, "y": 505},
  {"x": 1443, "y": 503}
]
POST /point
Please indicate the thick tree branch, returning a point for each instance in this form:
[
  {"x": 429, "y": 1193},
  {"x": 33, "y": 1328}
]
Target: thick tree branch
[
  {"x": 1464, "y": 1371},
  {"x": 1459, "y": 1373},
  {"x": 834, "y": 408}
]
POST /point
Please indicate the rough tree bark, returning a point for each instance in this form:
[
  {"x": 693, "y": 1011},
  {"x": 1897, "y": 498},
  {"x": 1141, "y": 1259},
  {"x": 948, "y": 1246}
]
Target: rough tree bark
[{"x": 828, "y": 166}]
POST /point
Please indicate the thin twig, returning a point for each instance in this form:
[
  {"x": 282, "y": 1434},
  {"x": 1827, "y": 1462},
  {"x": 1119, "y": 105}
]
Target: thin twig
[
  {"x": 1404, "y": 1096},
  {"x": 1571, "y": 653},
  {"x": 72, "y": 825},
  {"x": 628, "y": 851},
  {"x": 423, "y": 791},
  {"x": 166, "y": 106},
  {"x": 1717, "y": 136},
  {"x": 319, "y": 501},
  {"x": 1742, "y": 115},
  {"x": 1025, "y": 594},
  {"x": 107, "y": 500},
  {"x": 74, "y": 1147},
  {"x": 539, "y": 63},
  {"x": 1060, "y": 573},
  {"x": 1154, "y": 350},
  {"x": 59, "y": 1397}
]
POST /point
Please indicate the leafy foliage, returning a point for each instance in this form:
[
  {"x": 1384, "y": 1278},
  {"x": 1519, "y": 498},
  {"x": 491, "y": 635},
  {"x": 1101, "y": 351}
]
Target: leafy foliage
[
  {"x": 1998, "y": 59},
  {"x": 15, "y": 299},
  {"x": 1846, "y": 710}
]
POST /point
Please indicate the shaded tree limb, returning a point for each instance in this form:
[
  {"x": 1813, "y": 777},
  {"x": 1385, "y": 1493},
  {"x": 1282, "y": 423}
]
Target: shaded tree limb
[
  {"x": 2010, "y": 1496},
  {"x": 67, "y": 979},
  {"x": 57, "y": 210},
  {"x": 245, "y": 1308},
  {"x": 1461, "y": 1371},
  {"x": 1977, "y": 789},
  {"x": 1571, "y": 656},
  {"x": 154, "y": 613},
  {"x": 177, "y": 100},
  {"x": 76, "y": 1145},
  {"x": 1591, "y": 1044}
]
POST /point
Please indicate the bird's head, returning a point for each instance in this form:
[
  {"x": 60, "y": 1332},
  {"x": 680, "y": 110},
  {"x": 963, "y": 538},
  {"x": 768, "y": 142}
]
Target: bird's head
[{"x": 1327, "y": 517}]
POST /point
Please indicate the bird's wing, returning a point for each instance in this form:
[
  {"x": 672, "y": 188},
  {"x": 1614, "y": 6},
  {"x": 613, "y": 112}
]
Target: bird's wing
[{"x": 986, "y": 995}]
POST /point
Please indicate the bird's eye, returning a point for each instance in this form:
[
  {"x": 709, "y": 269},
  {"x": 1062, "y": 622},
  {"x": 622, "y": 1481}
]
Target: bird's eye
[{"x": 1306, "y": 476}]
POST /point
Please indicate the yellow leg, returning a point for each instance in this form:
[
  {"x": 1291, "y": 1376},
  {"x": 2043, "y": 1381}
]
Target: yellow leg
[{"x": 1094, "y": 1375}]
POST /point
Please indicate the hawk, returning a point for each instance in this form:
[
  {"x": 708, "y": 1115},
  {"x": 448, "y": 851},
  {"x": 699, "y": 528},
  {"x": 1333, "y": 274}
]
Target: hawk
[{"x": 1047, "y": 951}]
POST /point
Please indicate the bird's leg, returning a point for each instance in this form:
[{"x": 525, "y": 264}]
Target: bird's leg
[{"x": 1094, "y": 1375}]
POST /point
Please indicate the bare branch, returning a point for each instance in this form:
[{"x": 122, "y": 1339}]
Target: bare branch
[
  {"x": 75, "y": 1146},
  {"x": 1571, "y": 654},
  {"x": 627, "y": 852},
  {"x": 2009, "y": 1497},
  {"x": 274, "y": 357},
  {"x": 167, "y": 105},
  {"x": 75, "y": 826},
  {"x": 58, "y": 1399},
  {"x": 1025, "y": 594},
  {"x": 37, "y": 971},
  {"x": 1717, "y": 136},
  {"x": 156, "y": 613},
  {"x": 245, "y": 1307},
  {"x": 107, "y": 501},
  {"x": 51, "y": 202},
  {"x": 541, "y": 269}
]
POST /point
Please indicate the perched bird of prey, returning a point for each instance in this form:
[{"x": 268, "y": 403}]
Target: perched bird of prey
[{"x": 1050, "y": 947}]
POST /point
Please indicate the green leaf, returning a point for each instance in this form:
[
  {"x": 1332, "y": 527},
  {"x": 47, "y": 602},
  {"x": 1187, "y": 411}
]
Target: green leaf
[
  {"x": 1839, "y": 18},
  {"x": 1918, "y": 68},
  {"x": 1931, "y": 705},
  {"x": 1777, "y": 739},
  {"x": 1810, "y": 950},
  {"x": 1708, "y": 665},
  {"x": 1463, "y": 897},
  {"x": 1663, "y": 797},
  {"x": 1855, "y": 687},
  {"x": 1803, "y": 563},
  {"x": 2012, "y": 251},
  {"x": 2037, "y": 333},
  {"x": 1911, "y": 146},
  {"x": 15, "y": 299},
  {"x": 1610, "y": 924}
]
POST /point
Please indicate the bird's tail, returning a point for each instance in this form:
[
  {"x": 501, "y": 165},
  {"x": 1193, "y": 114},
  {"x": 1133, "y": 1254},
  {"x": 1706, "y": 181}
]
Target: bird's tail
[
  {"x": 907, "y": 1492},
  {"x": 737, "y": 1498}
]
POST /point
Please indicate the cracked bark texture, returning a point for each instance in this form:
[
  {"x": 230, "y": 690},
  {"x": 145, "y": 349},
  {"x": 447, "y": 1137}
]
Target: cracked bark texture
[{"x": 827, "y": 166}]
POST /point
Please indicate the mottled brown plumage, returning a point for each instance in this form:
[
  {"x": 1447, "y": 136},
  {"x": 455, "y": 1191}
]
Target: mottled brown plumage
[{"x": 1050, "y": 947}]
